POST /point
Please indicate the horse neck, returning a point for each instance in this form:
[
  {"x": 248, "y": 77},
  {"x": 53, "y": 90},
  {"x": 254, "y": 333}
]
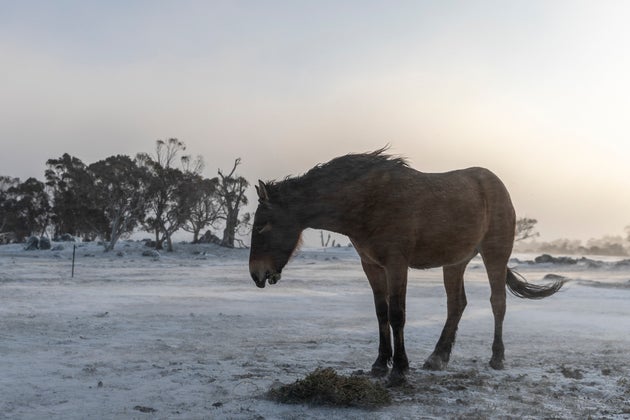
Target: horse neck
[{"x": 322, "y": 208}]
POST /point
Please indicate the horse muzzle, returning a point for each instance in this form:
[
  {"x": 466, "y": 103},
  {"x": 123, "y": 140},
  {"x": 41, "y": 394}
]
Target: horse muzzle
[{"x": 262, "y": 277}]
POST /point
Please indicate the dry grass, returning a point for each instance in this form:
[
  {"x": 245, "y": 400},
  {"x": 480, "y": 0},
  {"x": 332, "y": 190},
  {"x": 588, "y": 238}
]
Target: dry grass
[{"x": 326, "y": 387}]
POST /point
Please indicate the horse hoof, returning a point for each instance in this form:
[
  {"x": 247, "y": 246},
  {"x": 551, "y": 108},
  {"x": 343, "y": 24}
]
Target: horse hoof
[
  {"x": 379, "y": 371},
  {"x": 434, "y": 363},
  {"x": 396, "y": 379},
  {"x": 496, "y": 364}
]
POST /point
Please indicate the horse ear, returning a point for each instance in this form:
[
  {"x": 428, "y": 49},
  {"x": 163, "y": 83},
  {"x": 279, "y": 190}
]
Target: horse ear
[{"x": 263, "y": 195}]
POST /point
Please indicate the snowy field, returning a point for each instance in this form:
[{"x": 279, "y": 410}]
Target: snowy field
[{"x": 188, "y": 335}]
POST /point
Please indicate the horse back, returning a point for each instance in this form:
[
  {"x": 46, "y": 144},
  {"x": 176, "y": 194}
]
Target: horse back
[{"x": 435, "y": 219}]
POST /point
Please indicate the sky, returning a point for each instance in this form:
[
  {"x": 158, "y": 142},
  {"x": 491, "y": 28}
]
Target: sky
[{"x": 536, "y": 91}]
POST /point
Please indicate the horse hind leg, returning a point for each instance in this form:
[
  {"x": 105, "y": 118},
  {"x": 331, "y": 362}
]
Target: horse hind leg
[
  {"x": 378, "y": 282},
  {"x": 456, "y": 303},
  {"x": 496, "y": 267}
]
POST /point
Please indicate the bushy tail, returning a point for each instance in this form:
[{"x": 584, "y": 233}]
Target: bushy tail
[{"x": 521, "y": 288}]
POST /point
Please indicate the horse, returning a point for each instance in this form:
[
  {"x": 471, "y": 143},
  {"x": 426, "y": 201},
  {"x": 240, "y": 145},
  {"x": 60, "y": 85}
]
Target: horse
[{"x": 398, "y": 218}]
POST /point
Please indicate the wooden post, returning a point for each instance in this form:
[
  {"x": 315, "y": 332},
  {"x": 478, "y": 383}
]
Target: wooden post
[{"x": 74, "y": 250}]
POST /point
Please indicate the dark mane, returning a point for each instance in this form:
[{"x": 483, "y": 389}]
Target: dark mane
[{"x": 339, "y": 170}]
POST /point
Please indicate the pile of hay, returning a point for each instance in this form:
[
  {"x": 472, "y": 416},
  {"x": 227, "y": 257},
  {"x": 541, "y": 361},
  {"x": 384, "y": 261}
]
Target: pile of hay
[{"x": 326, "y": 387}]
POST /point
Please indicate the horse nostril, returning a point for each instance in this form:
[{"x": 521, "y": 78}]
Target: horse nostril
[{"x": 260, "y": 282}]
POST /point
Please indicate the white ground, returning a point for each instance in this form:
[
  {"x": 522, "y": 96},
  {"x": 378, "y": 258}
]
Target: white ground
[{"x": 189, "y": 336}]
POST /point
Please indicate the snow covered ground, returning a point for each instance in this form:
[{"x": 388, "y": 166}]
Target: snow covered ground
[{"x": 188, "y": 335}]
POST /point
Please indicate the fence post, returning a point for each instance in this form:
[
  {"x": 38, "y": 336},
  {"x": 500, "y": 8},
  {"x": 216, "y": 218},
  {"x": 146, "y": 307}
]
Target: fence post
[{"x": 74, "y": 250}]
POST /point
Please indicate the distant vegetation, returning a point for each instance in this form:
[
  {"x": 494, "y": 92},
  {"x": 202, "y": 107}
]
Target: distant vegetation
[
  {"x": 163, "y": 192},
  {"x": 160, "y": 192},
  {"x": 607, "y": 245}
]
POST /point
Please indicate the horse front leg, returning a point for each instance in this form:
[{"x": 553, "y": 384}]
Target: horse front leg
[
  {"x": 378, "y": 282},
  {"x": 397, "y": 290}
]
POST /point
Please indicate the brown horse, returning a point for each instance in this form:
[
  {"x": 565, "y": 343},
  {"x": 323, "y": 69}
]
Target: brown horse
[{"x": 397, "y": 218}]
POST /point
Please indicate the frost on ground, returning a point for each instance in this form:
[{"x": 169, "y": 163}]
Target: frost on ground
[{"x": 188, "y": 335}]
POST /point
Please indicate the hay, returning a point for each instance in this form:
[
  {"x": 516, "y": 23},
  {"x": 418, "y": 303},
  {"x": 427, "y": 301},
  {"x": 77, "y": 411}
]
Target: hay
[{"x": 326, "y": 387}]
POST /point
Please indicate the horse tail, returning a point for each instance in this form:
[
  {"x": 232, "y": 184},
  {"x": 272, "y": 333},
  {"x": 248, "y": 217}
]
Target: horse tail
[{"x": 519, "y": 287}]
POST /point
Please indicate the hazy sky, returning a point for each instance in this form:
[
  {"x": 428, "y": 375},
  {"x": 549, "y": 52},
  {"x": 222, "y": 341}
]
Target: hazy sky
[{"x": 537, "y": 91}]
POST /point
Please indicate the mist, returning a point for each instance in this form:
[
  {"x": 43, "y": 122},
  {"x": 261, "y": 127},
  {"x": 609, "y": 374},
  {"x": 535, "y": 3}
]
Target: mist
[{"x": 609, "y": 245}]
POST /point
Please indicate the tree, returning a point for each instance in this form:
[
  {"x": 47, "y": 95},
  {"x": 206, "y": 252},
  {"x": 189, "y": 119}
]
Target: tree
[
  {"x": 231, "y": 190},
  {"x": 206, "y": 209},
  {"x": 32, "y": 205},
  {"x": 170, "y": 191},
  {"x": 525, "y": 229},
  {"x": 180, "y": 198},
  {"x": 120, "y": 188},
  {"x": 75, "y": 209},
  {"x": 24, "y": 208},
  {"x": 6, "y": 183}
]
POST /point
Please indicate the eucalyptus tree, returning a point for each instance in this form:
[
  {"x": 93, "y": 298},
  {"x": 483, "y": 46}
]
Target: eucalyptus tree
[
  {"x": 231, "y": 190},
  {"x": 170, "y": 190},
  {"x": 120, "y": 186},
  {"x": 75, "y": 207},
  {"x": 206, "y": 209},
  {"x": 24, "y": 207}
]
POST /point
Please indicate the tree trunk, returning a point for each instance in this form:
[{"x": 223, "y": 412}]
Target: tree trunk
[
  {"x": 158, "y": 242},
  {"x": 169, "y": 243},
  {"x": 229, "y": 232},
  {"x": 113, "y": 235},
  {"x": 112, "y": 242},
  {"x": 228, "y": 238}
]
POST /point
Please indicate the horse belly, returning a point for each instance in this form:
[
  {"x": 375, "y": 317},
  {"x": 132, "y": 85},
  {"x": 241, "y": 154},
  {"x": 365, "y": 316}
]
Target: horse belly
[
  {"x": 446, "y": 247},
  {"x": 424, "y": 258}
]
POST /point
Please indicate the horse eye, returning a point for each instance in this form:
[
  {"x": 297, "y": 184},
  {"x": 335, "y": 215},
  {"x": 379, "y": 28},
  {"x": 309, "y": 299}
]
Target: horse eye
[{"x": 265, "y": 228}]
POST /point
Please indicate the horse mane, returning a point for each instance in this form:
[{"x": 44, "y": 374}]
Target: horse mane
[{"x": 336, "y": 172}]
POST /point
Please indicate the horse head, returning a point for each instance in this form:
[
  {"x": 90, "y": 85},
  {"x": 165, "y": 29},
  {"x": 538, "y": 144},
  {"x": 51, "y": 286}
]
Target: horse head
[{"x": 275, "y": 237}]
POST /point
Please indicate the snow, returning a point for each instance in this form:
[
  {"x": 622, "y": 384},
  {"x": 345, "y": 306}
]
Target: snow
[{"x": 188, "y": 335}]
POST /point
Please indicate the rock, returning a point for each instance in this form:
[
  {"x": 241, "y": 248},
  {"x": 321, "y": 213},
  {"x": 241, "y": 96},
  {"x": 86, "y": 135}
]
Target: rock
[
  {"x": 622, "y": 264},
  {"x": 570, "y": 373},
  {"x": 32, "y": 243},
  {"x": 58, "y": 247},
  {"x": 209, "y": 238},
  {"x": 543, "y": 259},
  {"x": 7, "y": 238},
  {"x": 144, "y": 409},
  {"x": 546, "y": 259},
  {"x": 151, "y": 253},
  {"x": 44, "y": 243},
  {"x": 566, "y": 260},
  {"x": 589, "y": 263},
  {"x": 66, "y": 237}
]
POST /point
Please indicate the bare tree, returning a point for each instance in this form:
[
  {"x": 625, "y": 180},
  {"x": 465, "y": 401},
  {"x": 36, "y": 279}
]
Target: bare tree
[
  {"x": 231, "y": 190},
  {"x": 525, "y": 229}
]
